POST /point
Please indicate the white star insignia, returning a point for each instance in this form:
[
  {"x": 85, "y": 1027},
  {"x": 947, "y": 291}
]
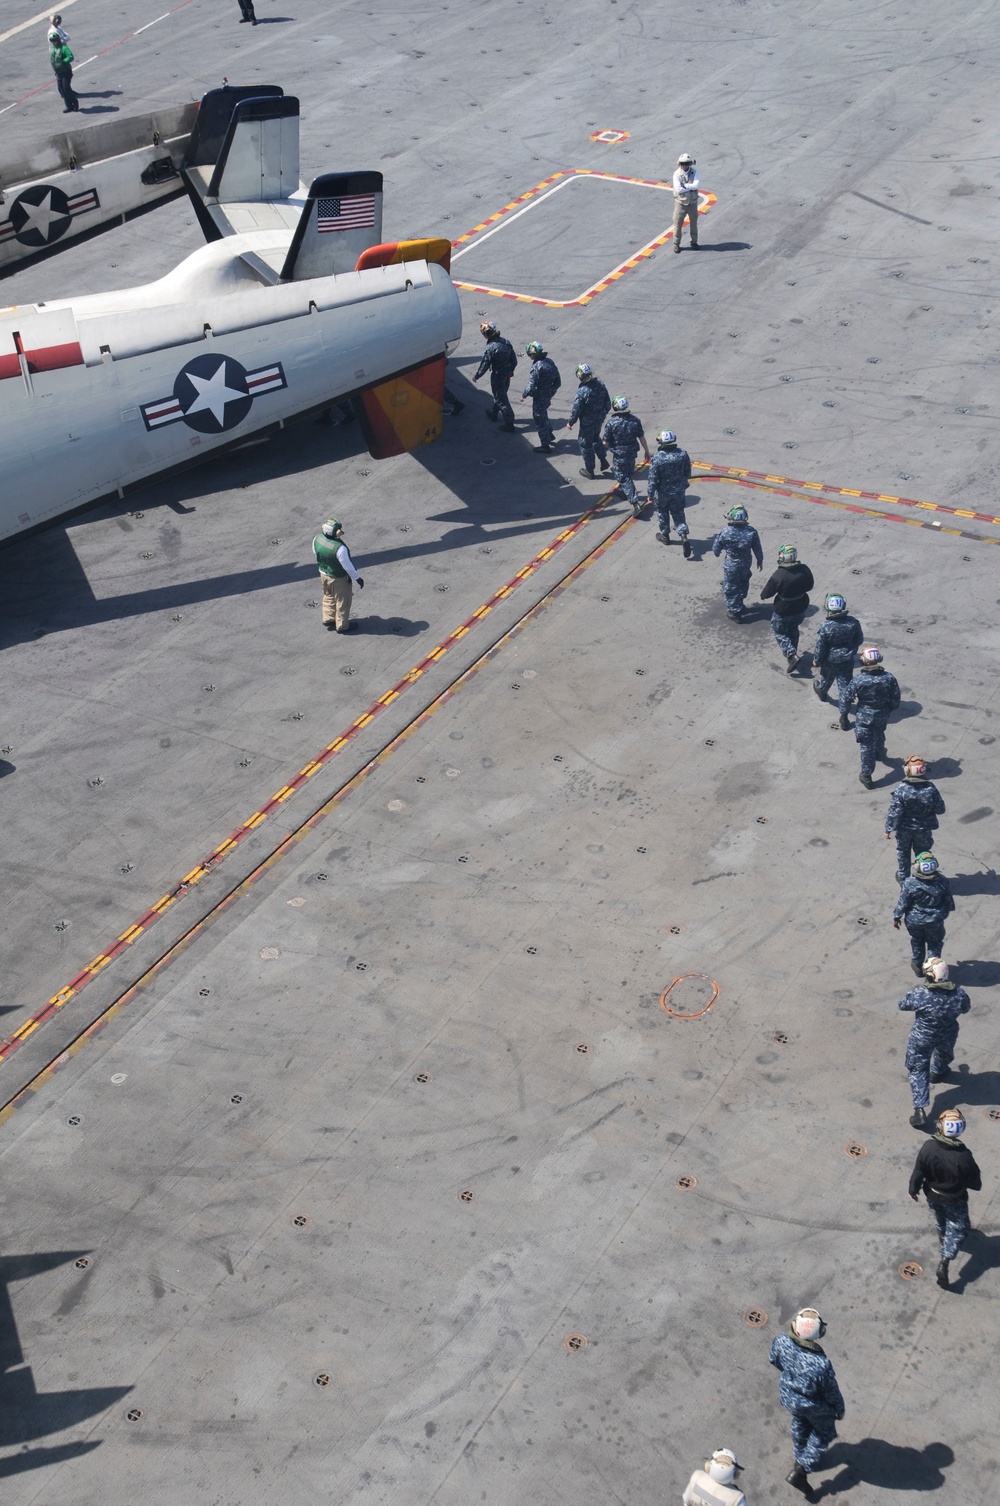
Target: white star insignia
[
  {"x": 213, "y": 394},
  {"x": 42, "y": 217}
]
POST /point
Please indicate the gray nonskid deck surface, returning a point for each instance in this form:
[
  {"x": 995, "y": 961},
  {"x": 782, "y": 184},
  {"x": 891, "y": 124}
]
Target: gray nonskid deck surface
[
  {"x": 441, "y": 1323},
  {"x": 488, "y": 907}
]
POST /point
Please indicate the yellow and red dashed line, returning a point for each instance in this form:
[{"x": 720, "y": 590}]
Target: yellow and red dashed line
[
  {"x": 809, "y": 490},
  {"x": 757, "y": 480},
  {"x": 208, "y": 864},
  {"x": 205, "y": 921},
  {"x": 706, "y": 200}
]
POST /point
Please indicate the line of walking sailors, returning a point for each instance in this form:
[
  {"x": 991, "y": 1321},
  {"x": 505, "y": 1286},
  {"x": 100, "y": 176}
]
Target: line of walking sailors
[
  {"x": 945, "y": 1170},
  {"x": 608, "y": 427}
]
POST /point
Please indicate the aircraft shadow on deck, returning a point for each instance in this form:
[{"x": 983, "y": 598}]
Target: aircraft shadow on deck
[
  {"x": 25, "y": 1412},
  {"x": 48, "y": 591}
]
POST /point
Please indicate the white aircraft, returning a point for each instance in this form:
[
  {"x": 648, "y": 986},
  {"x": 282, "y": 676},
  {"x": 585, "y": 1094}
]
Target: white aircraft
[
  {"x": 294, "y": 303},
  {"x": 87, "y": 180}
]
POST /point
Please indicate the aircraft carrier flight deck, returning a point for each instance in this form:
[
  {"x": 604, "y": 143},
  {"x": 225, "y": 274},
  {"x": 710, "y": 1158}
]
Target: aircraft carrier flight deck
[{"x": 438, "y": 1060}]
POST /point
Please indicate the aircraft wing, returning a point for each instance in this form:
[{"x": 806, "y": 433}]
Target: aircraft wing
[{"x": 87, "y": 180}]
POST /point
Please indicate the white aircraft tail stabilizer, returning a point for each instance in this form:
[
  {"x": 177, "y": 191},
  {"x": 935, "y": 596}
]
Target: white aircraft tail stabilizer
[
  {"x": 242, "y": 173},
  {"x": 341, "y": 219}
]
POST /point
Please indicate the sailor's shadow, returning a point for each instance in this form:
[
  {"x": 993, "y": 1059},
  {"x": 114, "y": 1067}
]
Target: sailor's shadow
[
  {"x": 906, "y": 709},
  {"x": 972, "y": 973},
  {"x": 893, "y": 1466},
  {"x": 972, "y": 1090},
  {"x": 975, "y": 883},
  {"x": 377, "y": 626},
  {"x": 981, "y": 1253}
]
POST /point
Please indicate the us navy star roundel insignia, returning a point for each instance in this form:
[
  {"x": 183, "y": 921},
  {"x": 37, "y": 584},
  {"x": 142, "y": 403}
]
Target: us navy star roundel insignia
[
  {"x": 42, "y": 214},
  {"x": 213, "y": 393}
]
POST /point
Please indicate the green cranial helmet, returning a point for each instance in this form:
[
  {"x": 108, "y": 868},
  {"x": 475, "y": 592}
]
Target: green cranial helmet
[
  {"x": 737, "y": 514},
  {"x": 534, "y": 350},
  {"x": 788, "y": 555},
  {"x": 331, "y": 528},
  {"x": 620, "y": 403}
]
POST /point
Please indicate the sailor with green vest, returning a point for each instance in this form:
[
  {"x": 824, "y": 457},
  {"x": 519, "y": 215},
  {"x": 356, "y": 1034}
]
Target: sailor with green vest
[{"x": 338, "y": 574}]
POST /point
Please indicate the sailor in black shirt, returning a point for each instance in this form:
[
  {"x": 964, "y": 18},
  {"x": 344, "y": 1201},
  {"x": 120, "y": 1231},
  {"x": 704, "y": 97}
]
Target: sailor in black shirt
[
  {"x": 790, "y": 586},
  {"x": 946, "y": 1170}
]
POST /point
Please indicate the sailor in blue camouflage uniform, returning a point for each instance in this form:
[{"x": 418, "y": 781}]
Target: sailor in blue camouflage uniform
[
  {"x": 739, "y": 540},
  {"x": 623, "y": 434},
  {"x": 591, "y": 406},
  {"x": 669, "y": 474},
  {"x": 914, "y": 807},
  {"x": 837, "y": 642},
  {"x": 925, "y": 899},
  {"x": 544, "y": 382},
  {"x": 808, "y": 1390},
  {"x": 937, "y": 1005},
  {"x": 500, "y": 360},
  {"x": 877, "y": 694}
]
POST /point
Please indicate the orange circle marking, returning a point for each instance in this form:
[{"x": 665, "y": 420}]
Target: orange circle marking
[{"x": 680, "y": 1014}]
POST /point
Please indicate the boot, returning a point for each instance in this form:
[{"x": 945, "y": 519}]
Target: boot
[
  {"x": 686, "y": 545},
  {"x": 866, "y": 780},
  {"x": 916, "y": 970},
  {"x": 845, "y": 723},
  {"x": 664, "y": 538},
  {"x": 939, "y": 1076},
  {"x": 585, "y": 472},
  {"x": 918, "y": 1118},
  {"x": 799, "y": 1480},
  {"x": 637, "y": 507},
  {"x": 818, "y": 691},
  {"x": 793, "y": 663},
  {"x": 605, "y": 465},
  {"x": 544, "y": 449},
  {"x": 942, "y": 1274}
]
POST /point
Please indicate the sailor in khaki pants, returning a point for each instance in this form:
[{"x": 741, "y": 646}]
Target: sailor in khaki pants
[
  {"x": 686, "y": 200},
  {"x": 338, "y": 574},
  {"x": 713, "y": 1485}
]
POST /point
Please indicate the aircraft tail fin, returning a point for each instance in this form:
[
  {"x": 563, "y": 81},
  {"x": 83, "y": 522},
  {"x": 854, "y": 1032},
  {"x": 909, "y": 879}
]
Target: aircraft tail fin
[
  {"x": 214, "y": 115},
  {"x": 403, "y": 412},
  {"x": 259, "y": 160},
  {"x": 341, "y": 219}
]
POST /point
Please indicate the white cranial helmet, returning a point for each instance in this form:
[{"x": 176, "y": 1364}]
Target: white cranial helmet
[
  {"x": 808, "y": 1324},
  {"x": 722, "y": 1466}
]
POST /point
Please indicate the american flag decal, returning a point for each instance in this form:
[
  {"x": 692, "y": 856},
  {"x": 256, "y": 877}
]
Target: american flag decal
[{"x": 350, "y": 212}]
